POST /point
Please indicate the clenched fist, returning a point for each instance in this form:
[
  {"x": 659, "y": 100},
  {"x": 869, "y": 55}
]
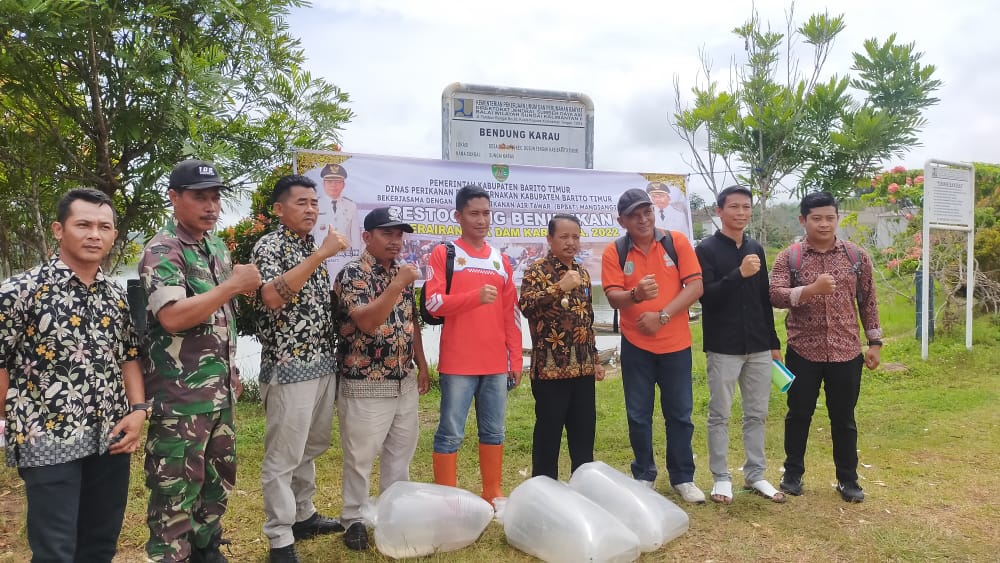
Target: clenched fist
[
  {"x": 245, "y": 277},
  {"x": 824, "y": 284},
  {"x": 647, "y": 288},
  {"x": 570, "y": 280},
  {"x": 407, "y": 274},
  {"x": 750, "y": 265},
  {"x": 487, "y": 294}
]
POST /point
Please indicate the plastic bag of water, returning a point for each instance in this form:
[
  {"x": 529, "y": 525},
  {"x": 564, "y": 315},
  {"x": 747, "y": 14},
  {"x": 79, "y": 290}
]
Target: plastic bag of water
[{"x": 551, "y": 521}]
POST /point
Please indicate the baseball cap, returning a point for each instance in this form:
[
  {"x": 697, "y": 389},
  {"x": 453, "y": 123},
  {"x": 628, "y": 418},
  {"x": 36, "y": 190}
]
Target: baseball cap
[
  {"x": 334, "y": 171},
  {"x": 632, "y": 199},
  {"x": 382, "y": 218},
  {"x": 194, "y": 174}
]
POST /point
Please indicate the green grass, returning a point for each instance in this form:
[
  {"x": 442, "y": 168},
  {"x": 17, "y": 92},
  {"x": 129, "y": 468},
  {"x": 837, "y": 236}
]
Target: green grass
[{"x": 929, "y": 444}]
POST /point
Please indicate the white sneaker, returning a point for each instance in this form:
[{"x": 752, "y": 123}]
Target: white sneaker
[
  {"x": 690, "y": 492},
  {"x": 645, "y": 483}
]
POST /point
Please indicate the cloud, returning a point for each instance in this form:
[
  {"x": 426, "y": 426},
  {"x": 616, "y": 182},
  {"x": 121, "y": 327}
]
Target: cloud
[{"x": 394, "y": 57}]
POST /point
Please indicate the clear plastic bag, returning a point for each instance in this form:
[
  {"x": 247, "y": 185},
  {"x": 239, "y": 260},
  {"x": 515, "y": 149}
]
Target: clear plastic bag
[
  {"x": 417, "y": 519},
  {"x": 653, "y": 518},
  {"x": 551, "y": 521}
]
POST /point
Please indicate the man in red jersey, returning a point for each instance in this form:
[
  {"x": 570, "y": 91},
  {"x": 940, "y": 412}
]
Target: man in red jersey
[{"x": 480, "y": 341}]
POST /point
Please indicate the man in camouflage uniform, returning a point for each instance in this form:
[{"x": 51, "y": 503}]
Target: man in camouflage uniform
[
  {"x": 190, "y": 374},
  {"x": 297, "y": 385}
]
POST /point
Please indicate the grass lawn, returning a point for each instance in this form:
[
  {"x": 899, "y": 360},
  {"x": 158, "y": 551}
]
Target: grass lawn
[{"x": 929, "y": 448}]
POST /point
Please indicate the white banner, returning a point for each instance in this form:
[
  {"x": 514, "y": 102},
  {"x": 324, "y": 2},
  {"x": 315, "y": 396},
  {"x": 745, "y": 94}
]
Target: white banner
[{"x": 523, "y": 199}]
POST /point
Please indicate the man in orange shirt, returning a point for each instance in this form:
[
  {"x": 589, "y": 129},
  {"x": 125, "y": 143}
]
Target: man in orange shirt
[
  {"x": 653, "y": 294},
  {"x": 480, "y": 341}
]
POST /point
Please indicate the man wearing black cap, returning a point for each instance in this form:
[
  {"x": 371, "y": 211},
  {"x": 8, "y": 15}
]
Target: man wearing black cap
[
  {"x": 190, "y": 370},
  {"x": 653, "y": 289},
  {"x": 297, "y": 381},
  {"x": 338, "y": 211},
  {"x": 378, "y": 348}
]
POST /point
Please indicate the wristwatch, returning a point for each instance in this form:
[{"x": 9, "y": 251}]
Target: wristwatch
[
  {"x": 664, "y": 318},
  {"x": 144, "y": 407}
]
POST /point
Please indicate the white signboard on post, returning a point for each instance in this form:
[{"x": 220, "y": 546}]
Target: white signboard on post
[
  {"x": 496, "y": 125},
  {"x": 949, "y": 204},
  {"x": 949, "y": 195}
]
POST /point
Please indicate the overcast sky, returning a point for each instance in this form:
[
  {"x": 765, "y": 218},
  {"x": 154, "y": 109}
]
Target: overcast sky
[{"x": 394, "y": 58}]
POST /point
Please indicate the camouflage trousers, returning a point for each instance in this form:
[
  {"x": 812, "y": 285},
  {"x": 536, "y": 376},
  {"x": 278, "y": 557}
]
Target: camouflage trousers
[{"x": 190, "y": 469}]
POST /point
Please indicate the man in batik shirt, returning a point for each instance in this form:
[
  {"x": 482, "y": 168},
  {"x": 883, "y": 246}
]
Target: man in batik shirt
[
  {"x": 379, "y": 343},
  {"x": 75, "y": 399},
  {"x": 190, "y": 369},
  {"x": 556, "y": 300},
  {"x": 297, "y": 383}
]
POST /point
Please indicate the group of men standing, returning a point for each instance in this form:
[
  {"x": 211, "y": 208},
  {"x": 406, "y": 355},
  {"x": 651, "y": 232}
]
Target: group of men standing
[{"x": 79, "y": 383}]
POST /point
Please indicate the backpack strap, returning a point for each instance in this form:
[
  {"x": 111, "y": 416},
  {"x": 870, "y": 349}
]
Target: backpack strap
[
  {"x": 622, "y": 244},
  {"x": 449, "y": 266},
  {"x": 854, "y": 255},
  {"x": 794, "y": 262},
  {"x": 668, "y": 246}
]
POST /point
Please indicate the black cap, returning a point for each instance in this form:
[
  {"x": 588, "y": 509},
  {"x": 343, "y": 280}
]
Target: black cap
[
  {"x": 195, "y": 175},
  {"x": 657, "y": 187},
  {"x": 632, "y": 199},
  {"x": 333, "y": 171},
  {"x": 382, "y": 218}
]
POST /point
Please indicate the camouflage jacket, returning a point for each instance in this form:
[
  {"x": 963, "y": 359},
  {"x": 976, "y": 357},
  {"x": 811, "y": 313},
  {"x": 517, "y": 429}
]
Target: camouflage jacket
[
  {"x": 63, "y": 343},
  {"x": 297, "y": 339},
  {"x": 373, "y": 366},
  {"x": 187, "y": 372}
]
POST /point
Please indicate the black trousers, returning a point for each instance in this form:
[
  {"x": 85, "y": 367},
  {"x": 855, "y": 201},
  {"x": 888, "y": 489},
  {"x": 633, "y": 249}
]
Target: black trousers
[
  {"x": 842, "y": 383},
  {"x": 75, "y": 509},
  {"x": 559, "y": 403}
]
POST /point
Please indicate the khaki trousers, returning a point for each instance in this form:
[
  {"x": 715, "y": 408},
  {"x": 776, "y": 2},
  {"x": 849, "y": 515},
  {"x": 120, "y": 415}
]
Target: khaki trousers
[
  {"x": 299, "y": 425},
  {"x": 387, "y": 428}
]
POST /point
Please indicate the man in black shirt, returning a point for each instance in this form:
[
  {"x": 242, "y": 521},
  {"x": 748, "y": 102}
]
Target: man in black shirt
[{"x": 740, "y": 342}]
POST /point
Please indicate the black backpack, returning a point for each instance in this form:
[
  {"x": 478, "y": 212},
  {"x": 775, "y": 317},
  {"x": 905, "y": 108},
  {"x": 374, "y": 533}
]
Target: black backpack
[
  {"x": 621, "y": 244},
  {"x": 449, "y": 269}
]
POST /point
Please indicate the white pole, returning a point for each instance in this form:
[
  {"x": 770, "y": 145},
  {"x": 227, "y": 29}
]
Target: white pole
[{"x": 925, "y": 282}]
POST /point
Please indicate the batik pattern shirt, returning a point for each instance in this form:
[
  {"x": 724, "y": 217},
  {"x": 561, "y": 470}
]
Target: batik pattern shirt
[
  {"x": 561, "y": 323},
  {"x": 381, "y": 364},
  {"x": 297, "y": 339},
  {"x": 63, "y": 343},
  {"x": 188, "y": 372},
  {"x": 824, "y": 328}
]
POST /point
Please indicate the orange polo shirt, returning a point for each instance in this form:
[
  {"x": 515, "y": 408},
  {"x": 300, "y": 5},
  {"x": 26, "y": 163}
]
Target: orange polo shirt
[{"x": 675, "y": 335}]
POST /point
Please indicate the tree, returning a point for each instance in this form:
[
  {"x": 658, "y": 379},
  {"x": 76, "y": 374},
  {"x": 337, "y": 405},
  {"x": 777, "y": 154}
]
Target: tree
[
  {"x": 142, "y": 85},
  {"x": 777, "y": 122}
]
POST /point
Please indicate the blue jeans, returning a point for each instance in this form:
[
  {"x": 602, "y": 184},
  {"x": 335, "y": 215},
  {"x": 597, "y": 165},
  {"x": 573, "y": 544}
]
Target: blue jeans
[
  {"x": 457, "y": 392},
  {"x": 642, "y": 371}
]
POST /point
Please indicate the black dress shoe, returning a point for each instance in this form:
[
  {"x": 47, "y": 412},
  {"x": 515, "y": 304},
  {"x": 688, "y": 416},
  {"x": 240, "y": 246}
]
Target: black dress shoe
[
  {"x": 284, "y": 554},
  {"x": 356, "y": 537},
  {"x": 791, "y": 484},
  {"x": 211, "y": 553},
  {"x": 850, "y": 491},
  {"x": 316, "y": 525}
]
